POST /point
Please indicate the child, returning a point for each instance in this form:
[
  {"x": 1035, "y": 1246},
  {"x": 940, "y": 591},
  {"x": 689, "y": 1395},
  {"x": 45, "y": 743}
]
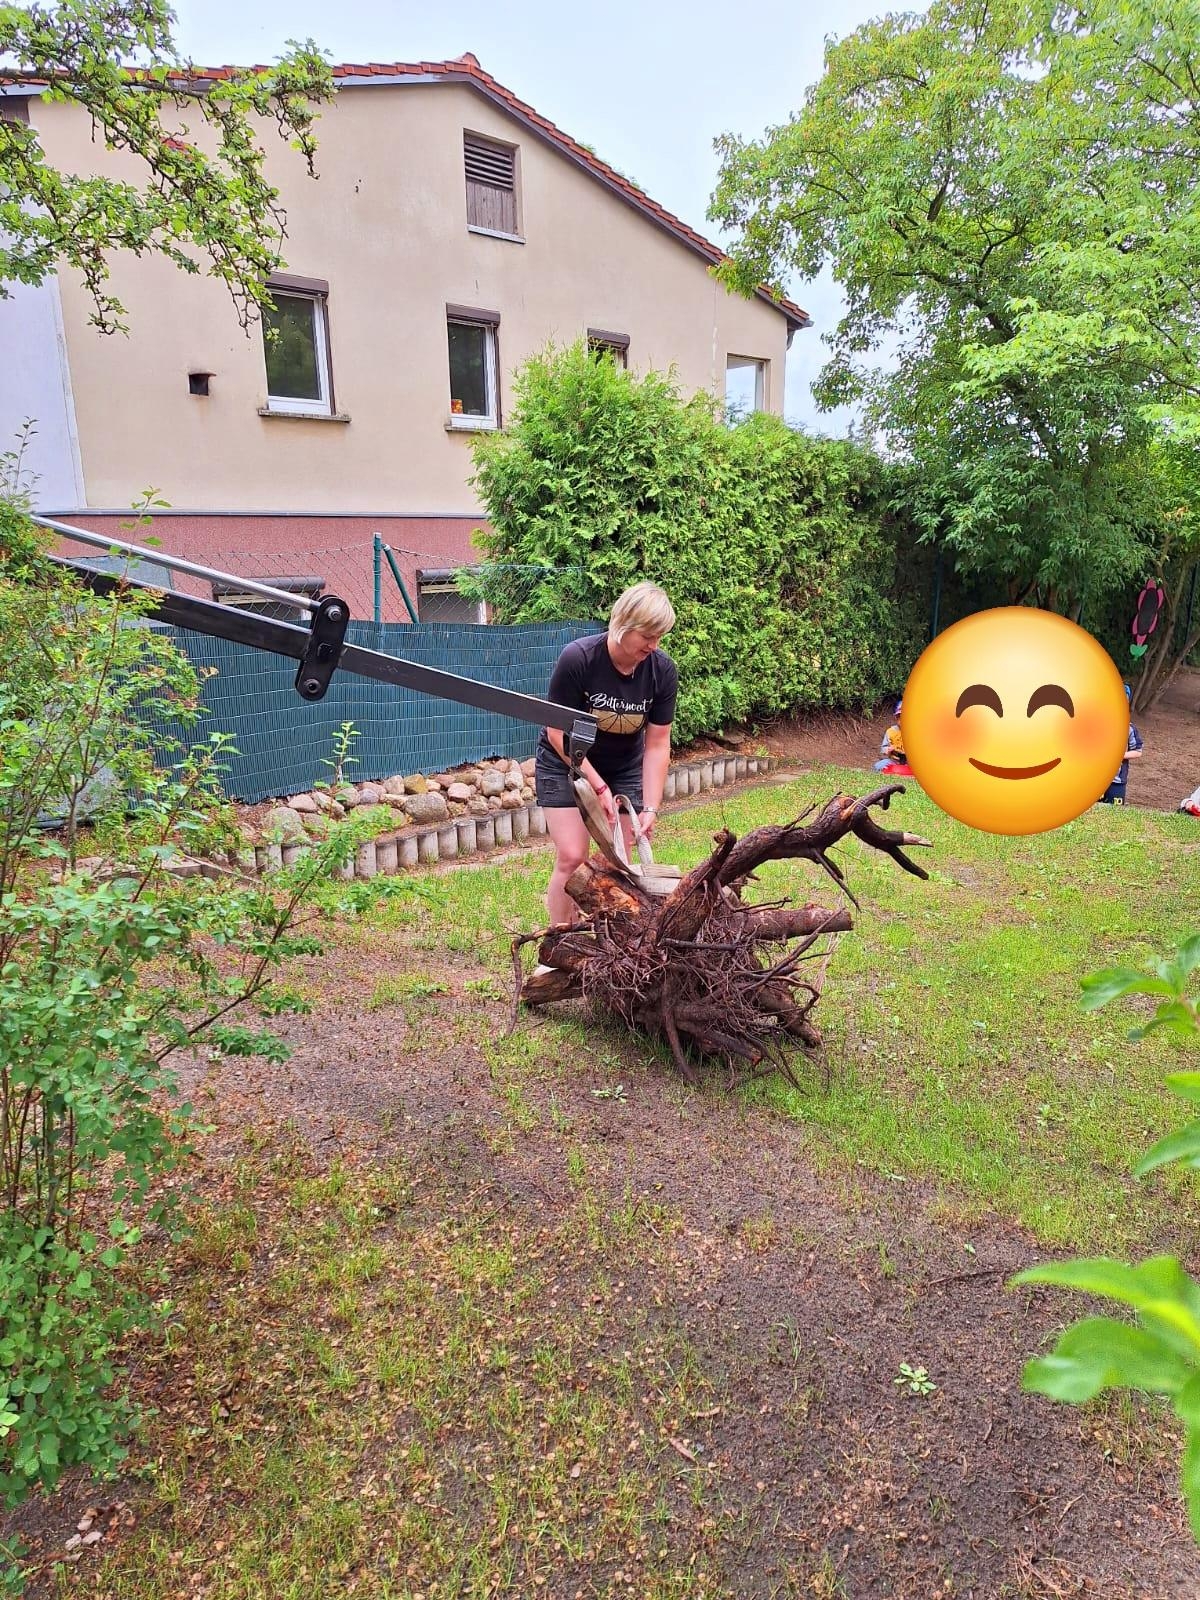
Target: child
[
  {"x": 1114, "y": 795},
  {"x": 891, "y": 751}
]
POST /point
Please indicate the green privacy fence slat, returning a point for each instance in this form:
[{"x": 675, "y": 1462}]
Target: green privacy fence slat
[{"x": 281, "y": 738}]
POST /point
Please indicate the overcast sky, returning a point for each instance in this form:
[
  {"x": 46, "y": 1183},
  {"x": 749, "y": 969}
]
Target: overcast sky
[{"x": 647, "y": 83}]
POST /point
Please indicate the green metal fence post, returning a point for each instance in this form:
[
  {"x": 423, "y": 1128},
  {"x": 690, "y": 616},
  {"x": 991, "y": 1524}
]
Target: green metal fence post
[
  {"x": 404, "y": 595},
  {"x": 377, "y": 573},
  {"x": 937, "y": 597}
]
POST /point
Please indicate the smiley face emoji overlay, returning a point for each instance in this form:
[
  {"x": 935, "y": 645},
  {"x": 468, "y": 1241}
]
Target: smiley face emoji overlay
[{"x": 1014, "y": 720}]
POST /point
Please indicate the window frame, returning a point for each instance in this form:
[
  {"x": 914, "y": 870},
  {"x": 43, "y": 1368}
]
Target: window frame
[
  {"x": 761, "y": 366},
  {"x": 434, "y": 581},
  {"x": 485, "y": 142},
  {"x": 603, "y": 341},
  {"x": 489, "y": 322},
  {"x": 287, "y": 286}
]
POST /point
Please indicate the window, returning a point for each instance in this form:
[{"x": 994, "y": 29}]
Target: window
[
  {"x": 14, "y": 108},
  {"x": 471, "y": 335},
  {"x": 296, "y": 342},
  {"x": 745, "y": 386},
  {"x": 491, "y": 172},
  {"x": 439, "y": 600},
  {"x": 312, "y": 588},
  {"x": 601, "y": 342}
]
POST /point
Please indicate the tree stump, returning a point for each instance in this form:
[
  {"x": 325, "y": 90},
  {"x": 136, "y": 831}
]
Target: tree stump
[{"x": 719, "y": 978}]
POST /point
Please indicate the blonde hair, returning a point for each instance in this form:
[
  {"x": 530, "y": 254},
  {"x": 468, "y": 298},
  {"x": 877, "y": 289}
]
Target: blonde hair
[{"x": 643, "y": 606}]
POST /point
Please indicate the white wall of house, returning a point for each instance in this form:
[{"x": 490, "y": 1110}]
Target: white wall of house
[
  {"x": 385, "y": 225},
  {"x": 35, "y": 385}
]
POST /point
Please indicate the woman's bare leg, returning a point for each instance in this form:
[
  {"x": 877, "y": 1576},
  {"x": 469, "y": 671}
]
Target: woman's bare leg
[{"x": 571, "y": 842}]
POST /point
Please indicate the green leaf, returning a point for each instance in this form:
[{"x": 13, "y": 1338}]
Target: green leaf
[
  {"x": 1177, "y": 1016},
  {"x": 1186, "y": 960},
  {"x": 1101, "y": 1353},
  {"x": 1101, "y": 987},
  {"x": 1182, "y": 1147},
  {"x": 1159, "y": 1290},
  {"x": 1187, "y": 1408}
]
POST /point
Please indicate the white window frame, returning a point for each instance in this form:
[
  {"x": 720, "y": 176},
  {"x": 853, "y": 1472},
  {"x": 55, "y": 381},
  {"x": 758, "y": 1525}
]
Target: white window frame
[
  {"x": 290, "y": 404},
  {"x": 456, "y": 421},
  {"x": 760, "y": 364}
]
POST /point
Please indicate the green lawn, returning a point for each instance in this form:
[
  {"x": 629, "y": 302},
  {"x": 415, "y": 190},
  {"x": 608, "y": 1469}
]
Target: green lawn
[{"x": 957, "y": 1048}]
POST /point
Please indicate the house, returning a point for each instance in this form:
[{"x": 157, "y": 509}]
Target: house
[{"x": 451, "y": 233}]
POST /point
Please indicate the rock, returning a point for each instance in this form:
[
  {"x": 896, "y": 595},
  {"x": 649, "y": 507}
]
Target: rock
[
  {"x": 492, "y": 783},
  {"x": 393, "y": 786},
  {"x": 459, "y": 791},
  {"x": 527, "y": 791},
  {"x": 477, "y": 806},
  {"x": 511, "y": 799},
  {"x": 493, "y": 802},
  {"x": 322, "y": 800},
  {"x": 346, "y": 795},
  {"x": 415, "y": 783},
  {"x": 512, "y": 781},
  {"x": 514, "y": 770},
  {"x": 282, "y": 825},
  {"x": 336, "y": 809},
  {"x": 396, "y": 800},
  {"x": 433, "y": 786},
  {"x": 427, "y": 807},
  {"x": 443, "y": 779},
  {"x": 527, "y": 767},
  {"x": 370, "y": 794},
  {"x": 304, "y": 803}
]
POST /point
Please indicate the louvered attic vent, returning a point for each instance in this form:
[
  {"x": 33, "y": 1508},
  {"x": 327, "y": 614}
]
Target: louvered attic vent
[{"x": 491, "y": 172}]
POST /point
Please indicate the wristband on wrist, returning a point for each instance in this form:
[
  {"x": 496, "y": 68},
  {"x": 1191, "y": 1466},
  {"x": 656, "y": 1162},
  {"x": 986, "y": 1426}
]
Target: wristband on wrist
[
  {"x": 603, "y": 789},
  {"x": 650, "y": 810}
]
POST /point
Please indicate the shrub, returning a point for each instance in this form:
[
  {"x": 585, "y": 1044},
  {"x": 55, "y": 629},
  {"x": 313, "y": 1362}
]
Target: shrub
[
  {"x": 107, "y": 964},
  {"x": 791, "y": 583}
]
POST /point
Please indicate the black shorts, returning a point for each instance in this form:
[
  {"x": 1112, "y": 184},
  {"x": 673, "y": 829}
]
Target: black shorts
[{"x": 552, "y": 781}]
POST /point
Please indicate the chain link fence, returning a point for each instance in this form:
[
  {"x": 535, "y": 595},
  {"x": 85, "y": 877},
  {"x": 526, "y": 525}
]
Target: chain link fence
[{"x": 404, "y": 602}]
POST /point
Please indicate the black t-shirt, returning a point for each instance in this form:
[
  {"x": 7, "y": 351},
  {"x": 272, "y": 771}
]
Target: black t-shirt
[{"x": 584, "y": 677}]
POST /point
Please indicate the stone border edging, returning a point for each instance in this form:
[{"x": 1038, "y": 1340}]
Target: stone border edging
[{"x": 464, "y": 836}]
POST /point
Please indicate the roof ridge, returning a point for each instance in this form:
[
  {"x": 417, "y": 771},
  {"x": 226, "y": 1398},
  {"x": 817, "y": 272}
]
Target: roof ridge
[{"x": 467, "y": 67}]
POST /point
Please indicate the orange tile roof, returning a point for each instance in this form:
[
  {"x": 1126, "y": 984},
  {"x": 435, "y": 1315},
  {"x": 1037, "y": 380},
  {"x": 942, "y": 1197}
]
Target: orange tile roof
[{"x": 466, "y": 69}]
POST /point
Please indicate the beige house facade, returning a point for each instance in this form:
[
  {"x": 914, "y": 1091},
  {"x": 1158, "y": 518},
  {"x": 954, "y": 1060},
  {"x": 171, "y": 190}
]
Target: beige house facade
[{"x": 452, "y": 232}]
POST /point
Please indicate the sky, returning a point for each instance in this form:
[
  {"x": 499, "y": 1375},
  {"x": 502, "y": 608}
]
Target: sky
[{"x": 649, "y": 84}]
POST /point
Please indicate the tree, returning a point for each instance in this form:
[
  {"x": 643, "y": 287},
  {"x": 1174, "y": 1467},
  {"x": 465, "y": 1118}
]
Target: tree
[
  {"x": 203, "y": 197},
  {"x": 1124, "y": 91},
  {"x": 940, "y": 168}
]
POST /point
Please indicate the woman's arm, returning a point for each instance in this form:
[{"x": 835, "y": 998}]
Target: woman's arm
[
  {"x": 656, "y": 758},
  {"x": 587, "y": 770}
]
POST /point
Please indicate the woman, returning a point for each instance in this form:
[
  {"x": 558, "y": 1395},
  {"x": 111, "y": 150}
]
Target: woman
[{"x": 629, "y": 685}]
